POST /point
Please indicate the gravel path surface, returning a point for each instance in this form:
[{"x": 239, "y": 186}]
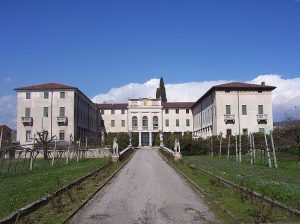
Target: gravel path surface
[{"x": 146, "y": 190}]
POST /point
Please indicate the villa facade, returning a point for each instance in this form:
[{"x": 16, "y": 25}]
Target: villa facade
[{"x": 64, "y": 111}]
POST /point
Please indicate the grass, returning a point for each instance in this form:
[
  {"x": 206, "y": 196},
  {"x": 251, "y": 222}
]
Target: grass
[
  {"x": 227, "y": 200},
  {"x": 63, "y": 206},
  {"x": 19, "y": 190},
  {"x": 281, "y": 184}
]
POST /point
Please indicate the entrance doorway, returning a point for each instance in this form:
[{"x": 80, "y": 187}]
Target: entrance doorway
[{"x": 145, "y": 138}]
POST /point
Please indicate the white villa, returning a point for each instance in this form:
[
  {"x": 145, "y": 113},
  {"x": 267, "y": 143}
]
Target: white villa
[{"x": 64, "y": 111}]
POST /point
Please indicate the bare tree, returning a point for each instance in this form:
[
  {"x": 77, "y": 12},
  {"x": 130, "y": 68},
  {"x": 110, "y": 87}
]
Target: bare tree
[{"x": 44, "y": 141}]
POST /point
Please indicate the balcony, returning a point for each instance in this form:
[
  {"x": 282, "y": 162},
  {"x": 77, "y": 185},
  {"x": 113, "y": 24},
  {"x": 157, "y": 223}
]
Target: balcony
[
  {"x": 155, "y": 128},
  {"x": 135, "y": 128},
  {"x": 27, "y": 121},
  {"x": 229, "y": 118},
  {"x": 145, "y": 128},
  {"x": 62, "y": 121},
  {"x": 262, "y": 117}
]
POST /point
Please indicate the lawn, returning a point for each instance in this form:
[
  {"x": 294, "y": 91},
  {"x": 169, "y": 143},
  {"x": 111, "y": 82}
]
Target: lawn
[
  {"x": 18, "y": 190},
  {"x": 231, "y": 205},
  {"x": 282, "y": 184}
]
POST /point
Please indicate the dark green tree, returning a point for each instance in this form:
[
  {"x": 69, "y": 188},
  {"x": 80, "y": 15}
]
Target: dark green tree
[
  {"x": 162, "y": 90},
  {"x": 158, "y": 93}
]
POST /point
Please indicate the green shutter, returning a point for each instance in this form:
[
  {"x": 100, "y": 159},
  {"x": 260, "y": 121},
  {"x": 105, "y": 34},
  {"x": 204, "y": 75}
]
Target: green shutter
[
  {"x": 260, "y": 109},
  {"x": 244, "y": 109},
  {"x": 228, "y": 109},
  {"x": 45, "y": 111},
  {"x": 62, "y": 112},
  {"x": 27, "y": 112}
]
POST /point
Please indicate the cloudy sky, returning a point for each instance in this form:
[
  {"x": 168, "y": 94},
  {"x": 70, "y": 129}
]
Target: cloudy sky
[{"x": 115, "y": 49}]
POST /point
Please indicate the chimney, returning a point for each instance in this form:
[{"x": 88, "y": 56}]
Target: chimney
[{"x": 263, "y": 83}]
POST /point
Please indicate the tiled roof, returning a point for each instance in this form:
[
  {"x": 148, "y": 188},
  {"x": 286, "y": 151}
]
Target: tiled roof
[
  {"x": 4, "y": 126},
  {"x": 177, "y": 104},
  {"x": 114, "y": 106},
  {"x": 241, "y": 85},
  {"x": 46, "y": 86},
  {"x": 234, "y": 86}
]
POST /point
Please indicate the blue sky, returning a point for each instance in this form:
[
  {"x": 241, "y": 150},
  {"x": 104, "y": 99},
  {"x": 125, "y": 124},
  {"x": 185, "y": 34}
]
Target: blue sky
[{"x": 97, "y": 45}]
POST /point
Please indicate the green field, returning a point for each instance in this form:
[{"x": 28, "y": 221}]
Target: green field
[
  {"x": 281, "y": 184},
  {"x": 18, "y": 190},
  {"x": 229, "y": 204}
]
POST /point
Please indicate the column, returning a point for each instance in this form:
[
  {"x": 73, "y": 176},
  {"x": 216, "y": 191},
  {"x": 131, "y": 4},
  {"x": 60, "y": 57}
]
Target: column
[
  {"x": 140, "y": 139},
  {"x": 150, "y": 138}
]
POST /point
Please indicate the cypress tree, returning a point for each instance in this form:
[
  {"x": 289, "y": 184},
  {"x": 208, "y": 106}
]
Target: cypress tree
[
  {"x": 158, "y": 93},
  {"x": 162, "y": 90}
]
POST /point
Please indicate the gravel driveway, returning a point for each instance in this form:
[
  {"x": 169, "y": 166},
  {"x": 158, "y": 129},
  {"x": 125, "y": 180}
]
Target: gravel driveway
[{"x": 146, "y": 190}]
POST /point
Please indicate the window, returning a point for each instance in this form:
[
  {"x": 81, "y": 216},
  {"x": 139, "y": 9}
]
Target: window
[
  {"x": 145, "y": 121},
  {"x": 166, "y": 111},
  {"x": 62, "y": 112},
  {"x": 261, "y": 130},
  {"x": 102, "y": 111},
  {"x": 123, "y": 111},
  {"x": 134, "y": 121},
  {"x": 102, "y": 123},
  {"x": 45, "y": 111},
  {"x": 62, "y": 95},
  {"x": 123, "y": 123},
  {"x": 112, "y": 122},
  {"x": 260, "y": 109},
  {"x": 244, "y": 109},
  {"x": 28, "y": 96},
  {"x": 27, "y": 112},
  {"x": 228, "y": 132},
  {"x": 46, "y": 95},
  {"x": 177, "y": 111},
  {"x": 61, "y": 135},
  {"x": 112, "y": 111},
  {"x": 155, "y": 121},
  {"x": 167, "y": 123},
  {"x": 245, "y": 131},
  {"x": 28, "y": 136},
  {"x": 177, "y": 122},
  {"x": 228, "y": 109},
  {"x": 187, "y": 111},
  {"x": 187, "y": 122}
]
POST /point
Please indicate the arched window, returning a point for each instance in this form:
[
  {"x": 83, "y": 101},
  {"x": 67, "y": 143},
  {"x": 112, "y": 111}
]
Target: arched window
[
  {"x": 155, "y": 121},
  {"x": 145, "y": 121},
  {"x": 134, "y": 121}
]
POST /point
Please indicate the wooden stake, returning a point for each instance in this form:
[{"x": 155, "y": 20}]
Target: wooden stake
[
  {"x": 268, "y": 152},
  {"x": 54, "y": 152},
  {"x": 236, "y": 149},
  {"x": 228, "y": 147},
  {"x": 211, "y": 146},
  {"x": 251, "y": 150},
  {"x": 273, "y": 147},
  {"x": 254, "y": 150},
  {"x": 240, "y": 148},
  {"x": 220, "y": 151},
  {"x": 1, "y": 136}
]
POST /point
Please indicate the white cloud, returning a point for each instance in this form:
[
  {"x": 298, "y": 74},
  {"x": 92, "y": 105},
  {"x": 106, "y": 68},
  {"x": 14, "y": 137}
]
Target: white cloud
[
  {"x": 8, "y": 110},
  {"x": 285, "y": 97}
]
